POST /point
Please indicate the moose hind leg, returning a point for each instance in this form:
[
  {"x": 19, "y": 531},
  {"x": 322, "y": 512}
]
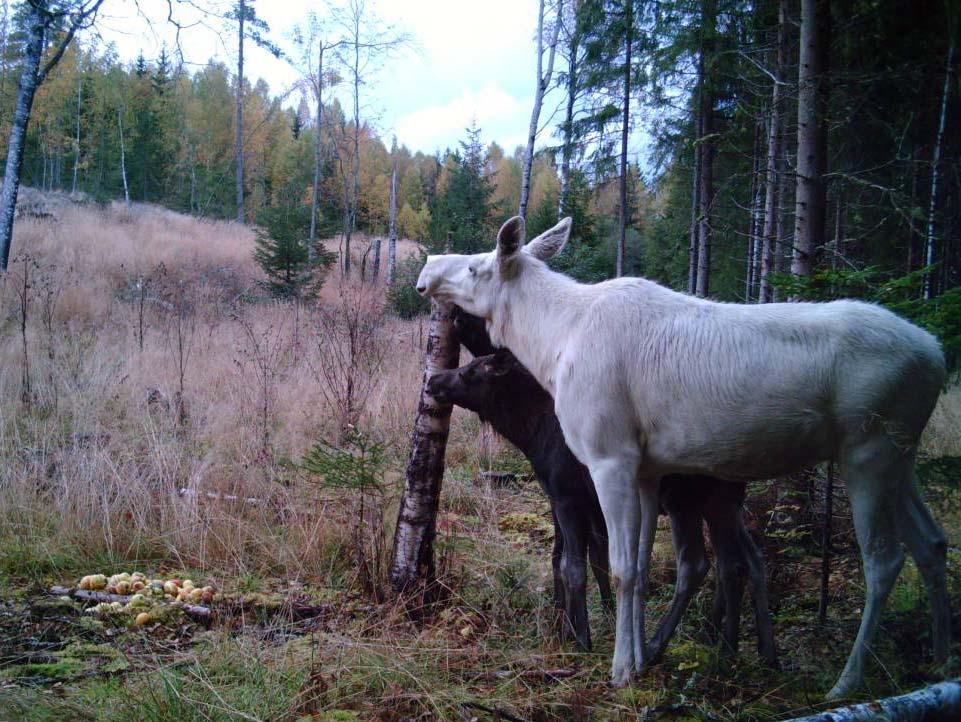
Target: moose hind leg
[
  {"x": 873, "y": 471},
  {"x": 928, "y": 545},
  {"x": 757, "y": 579}
]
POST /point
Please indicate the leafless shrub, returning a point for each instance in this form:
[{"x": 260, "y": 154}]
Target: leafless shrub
[{"x": 351, "y": 345}]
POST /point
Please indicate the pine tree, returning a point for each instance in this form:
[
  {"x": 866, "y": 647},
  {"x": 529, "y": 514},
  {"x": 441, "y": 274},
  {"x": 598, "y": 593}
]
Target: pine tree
[{"x": 284, "y": 255}]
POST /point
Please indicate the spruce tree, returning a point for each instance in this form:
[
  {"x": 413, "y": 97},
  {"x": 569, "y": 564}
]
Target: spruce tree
[{"x": 284, "y": 254}]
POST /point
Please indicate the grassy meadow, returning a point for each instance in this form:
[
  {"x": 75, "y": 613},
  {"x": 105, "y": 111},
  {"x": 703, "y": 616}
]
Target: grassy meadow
[{"x": 155, "y": 409}]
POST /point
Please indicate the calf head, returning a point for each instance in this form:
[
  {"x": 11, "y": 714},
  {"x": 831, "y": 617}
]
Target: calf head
[
  {"x": 475, "y": 386},
  {"x": 474, "y": 282},
  {"x": 472, "y": 332}
]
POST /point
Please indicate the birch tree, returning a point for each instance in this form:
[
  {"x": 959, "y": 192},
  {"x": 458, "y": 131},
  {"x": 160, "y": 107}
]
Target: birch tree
[
  {"x": 705, "y": 147},
  {"x": 392, "y": 219},
  {"x": 43, "y": 16},
  {"x": 543, "y": 82}
]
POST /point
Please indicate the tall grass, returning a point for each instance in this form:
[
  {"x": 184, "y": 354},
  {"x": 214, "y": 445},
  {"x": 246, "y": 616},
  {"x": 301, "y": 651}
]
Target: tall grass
[{"x": 223, "y": 393}]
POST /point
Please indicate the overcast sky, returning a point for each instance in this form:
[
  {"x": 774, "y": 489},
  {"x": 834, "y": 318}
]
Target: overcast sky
[{"x": 466, "y": 60}]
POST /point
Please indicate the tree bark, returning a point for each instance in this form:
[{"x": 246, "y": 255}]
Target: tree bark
[
  {"x": 625, "y": 126},
  {"x": 756, "y": 217},
  {"x": 937, "y": 703},
  {"x": 392, "y": 218},
  {"x": 811, "y": 201},
  {"x": 413, "y": 563},
  {"x": 692, "y": 259},
  {"x": 318, "y": 150},
  {"x": 37, "y": 26},
  {"x": 774, "y": 153},
  {"x": 76, "y": 156},
  {"x": 123, "y": 163},
  {"x": 931, "y": 236},
  {"x": 706, "y": 148},
  {"x": 239, "y": 138},
  {"x": 543, "y": 80},
  {"x": 375, "y": 259},
  {"x": 567, "y": 149}
]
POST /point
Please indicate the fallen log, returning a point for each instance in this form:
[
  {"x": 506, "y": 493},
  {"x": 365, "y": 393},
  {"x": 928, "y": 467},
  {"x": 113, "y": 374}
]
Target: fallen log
[
  {"x": 937, "y": 703},
  {"x": 85, "y": 595}
]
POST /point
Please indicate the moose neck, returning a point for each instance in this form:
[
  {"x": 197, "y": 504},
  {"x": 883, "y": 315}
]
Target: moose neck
[{"x": 534, "y": 315}]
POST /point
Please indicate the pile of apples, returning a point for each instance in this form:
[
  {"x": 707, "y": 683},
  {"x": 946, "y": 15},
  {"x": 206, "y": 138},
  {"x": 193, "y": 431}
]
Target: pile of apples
[{"x": 144, "y": 593}]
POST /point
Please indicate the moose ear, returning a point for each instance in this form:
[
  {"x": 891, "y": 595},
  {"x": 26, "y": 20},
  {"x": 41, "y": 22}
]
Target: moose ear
[
  {"x": 549, "y": 243},
  {"x": 510, "y": 238},
  {"x": 498, "y": 364}
]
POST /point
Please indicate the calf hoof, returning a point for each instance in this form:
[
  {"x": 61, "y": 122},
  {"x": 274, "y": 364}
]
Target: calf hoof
[{"x": 621, "y": 676}]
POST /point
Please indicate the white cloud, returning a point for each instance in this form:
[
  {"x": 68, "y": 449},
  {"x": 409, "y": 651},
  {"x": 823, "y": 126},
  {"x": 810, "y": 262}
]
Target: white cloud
[{"x": 442, "y": 125}]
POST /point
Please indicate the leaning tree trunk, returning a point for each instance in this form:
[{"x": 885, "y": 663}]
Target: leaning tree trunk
[
  {"x": 29, "y": 81},
  {"x": 774, "y": 142},
  {"x": 811, "y": 201},
  {"x": 392, "y": 219},
  {"x": 929, "y": 245},
  {"x": 625, "y": 127},
  {"x": 123, "y": 163},
  {"x": 937, "y": 703},
  {"x": 239, "y": 138},
  {"x": 413, "y": 565},
  {"x": 543, "y": 80}
]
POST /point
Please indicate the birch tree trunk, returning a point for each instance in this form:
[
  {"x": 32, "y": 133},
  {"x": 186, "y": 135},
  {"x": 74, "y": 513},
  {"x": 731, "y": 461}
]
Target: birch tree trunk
[
  {"x": 755, "y": 220},
  {"x": 318, "y": 150},
  {"x": 567, "y": 148},
  {"x": 931, "y": 235},
  {"x": 392, "y": 218},
  {"x": 29, "y": 80},
  {"x": 543, "y": 80},
  {"x": 937, "y": 702},
  {"x": 625, "y": 126},
  {"x": 123, "y": 164},
  {"x": 239, "y": 138},
  {"x": 413, "y": 564},
  {"x": 774, "y": 152},
  {"x": 692, "y": 259},
  {"x": 811, "y": 201}
]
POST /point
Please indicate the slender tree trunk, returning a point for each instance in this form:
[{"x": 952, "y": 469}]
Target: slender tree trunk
[
  {"x": 756, "y": 217},
  {"x": 239, "y": 139},
  {"x": 543, "y": 80},
  {"x": 931, "y": 236},
  {"x": 413, "y": 563},
  {"x": 774, "y": 153},
  {"x": 392, "y": 219},
  {"x": 625, "y": 127},
  {"x": 76, "y": 150},
  {"x": 692, "y": 259},
  {"x": 123, "y": 163},
  {"x": 811, "y": 201},
  {"x": 375, "y": 259},
  {"x": 706, "y": 147},
  {"x": 318, "y": 150},
  {"x": 567, "y": 149},
  {"x": 782, "y": 248},
  {"x": 826, "y": 545},
  {"x": 29, "y": 80},
  {"x": 354, "y": 193}
]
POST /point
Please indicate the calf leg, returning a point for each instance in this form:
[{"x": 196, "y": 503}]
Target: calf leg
[
  {"x": 559, "y": 599},
  {"x": 723, "y": 520},
  {"x": 573, "y": 568},
  {"x": 757, "y": 578},
  {"x": 687, "y": 534},
  {"x": 597, "y": 551}
]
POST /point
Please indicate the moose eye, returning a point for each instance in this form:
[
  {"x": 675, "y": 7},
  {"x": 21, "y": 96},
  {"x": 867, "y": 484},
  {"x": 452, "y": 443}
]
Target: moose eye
[{"x": 472, "y": 270}]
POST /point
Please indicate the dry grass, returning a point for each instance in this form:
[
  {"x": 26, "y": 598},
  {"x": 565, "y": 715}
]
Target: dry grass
[{"x": 88, "y": 456}]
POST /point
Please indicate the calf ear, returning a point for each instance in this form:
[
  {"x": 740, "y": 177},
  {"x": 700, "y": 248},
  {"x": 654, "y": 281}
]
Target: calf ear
[
  {"x": 510, "y": 239},
  {"x": 549, "y": 243},
  {"x": 498, "y": 364}
]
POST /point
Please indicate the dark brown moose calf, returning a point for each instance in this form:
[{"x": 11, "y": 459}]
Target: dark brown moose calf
[{"x": 503, "y": 393}]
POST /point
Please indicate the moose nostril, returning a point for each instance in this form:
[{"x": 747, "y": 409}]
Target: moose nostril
[{"x": 421, "y": 290}]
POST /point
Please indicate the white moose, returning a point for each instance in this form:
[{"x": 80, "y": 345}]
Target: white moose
[{"x": 647, "y": 381}]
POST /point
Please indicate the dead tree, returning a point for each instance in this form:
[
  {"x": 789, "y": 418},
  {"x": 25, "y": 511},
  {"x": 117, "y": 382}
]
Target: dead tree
[
  {"x": 392, "y": 221},
  {"x": 929, "y": 244},
  {"x": 543, "y": 81},
  {"x": 413, "y": 564}
]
